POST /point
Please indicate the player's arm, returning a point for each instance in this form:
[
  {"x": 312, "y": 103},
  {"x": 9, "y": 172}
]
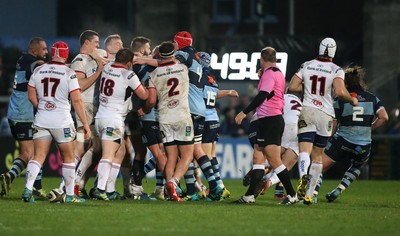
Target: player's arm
[
  {"x": 77, "y": 103},
  {"x": 142, "y": 92},
  {"x": 296, "y": 84},
  {"x": 151, "y": 100},
  {"x": 342, "y": 93},
  {"x": 225, "y": 93},
  {"x": 145, "y": 60},
  {"x": 32, "y": 95},
  {"x": 381, "y": 118},
  {"x": 84, "y": 82},
  {"x": 257, "y": 101}
]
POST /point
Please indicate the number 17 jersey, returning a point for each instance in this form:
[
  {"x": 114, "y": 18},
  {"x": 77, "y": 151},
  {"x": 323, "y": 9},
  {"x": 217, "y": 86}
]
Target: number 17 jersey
[
  {"x": 53, "y": 82},
  {"x": 318, "y": 76}
]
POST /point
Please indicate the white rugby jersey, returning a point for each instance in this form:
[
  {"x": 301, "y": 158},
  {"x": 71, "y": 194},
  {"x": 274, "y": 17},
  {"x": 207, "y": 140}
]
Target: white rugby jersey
[
  {"x": 292, "y": 109},
  {"x": 116, "y": 86},
  {"x": 318, "y": 76},
  {"x": 53, "y": 82},
  {"x": 171, "y": 81},
  {"x": 87, "y": 65}
]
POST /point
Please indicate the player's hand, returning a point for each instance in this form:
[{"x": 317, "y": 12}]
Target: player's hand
[
  {"x": 88, "y": 133},
  {"x": 140, "y": 112},
  {"x": 233, "y": 93},
  {"x": 239, "y": 117},
  {"x": 354, "y": 101},
  {"x": 137, "y": 60}
]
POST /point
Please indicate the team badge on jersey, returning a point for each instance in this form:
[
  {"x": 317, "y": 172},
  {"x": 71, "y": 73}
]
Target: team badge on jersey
[
  {"x": 188, "y": 130},
  {"x": 302, "y": 124},
  {"x": 67, "y": 132},
  {"x": 109, "y": 131},
  {"x": 330, "y": 125}
]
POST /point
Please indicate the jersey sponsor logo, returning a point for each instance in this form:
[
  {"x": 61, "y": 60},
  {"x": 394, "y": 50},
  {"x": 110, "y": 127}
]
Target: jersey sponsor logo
[
  {"x": 188, "y": 130},
  {"x": 73, "y": 76},
  {"x": 302, "y": 124},
  {"x": 172, "y": 104},
  {"x": 49, "y": 106},
  {"x": 67, "y": 133},
  {"x": 130, "y": 76},
  {"x": 330, "y": 125},
  {"x": 109, "y": 131},
  {"x": 317, "y": 103},
  {"x": 103, "y": 100},
  {"x": 77, "y": 59}
]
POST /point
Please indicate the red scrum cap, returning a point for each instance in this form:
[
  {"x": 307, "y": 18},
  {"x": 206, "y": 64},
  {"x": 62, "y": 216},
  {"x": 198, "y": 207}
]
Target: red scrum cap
[
  {"x": 60, "y": 49},
  {"x": 183, "y": 39}
]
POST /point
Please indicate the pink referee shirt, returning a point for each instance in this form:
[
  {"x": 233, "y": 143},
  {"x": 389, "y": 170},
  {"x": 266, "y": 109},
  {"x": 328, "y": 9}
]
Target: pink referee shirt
[{"x": 272, "y": 80}]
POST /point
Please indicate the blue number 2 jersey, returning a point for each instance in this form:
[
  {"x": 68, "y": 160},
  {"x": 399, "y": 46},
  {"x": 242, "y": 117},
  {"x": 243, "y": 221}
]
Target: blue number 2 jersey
[{"x": 355, "y": 121}]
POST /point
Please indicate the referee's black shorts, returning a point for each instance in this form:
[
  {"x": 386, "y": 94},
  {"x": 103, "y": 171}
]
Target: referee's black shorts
[{"x": 270, "y": 130}]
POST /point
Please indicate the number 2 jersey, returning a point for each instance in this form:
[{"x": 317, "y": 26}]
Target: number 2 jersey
[
  {"x": 318, "y": 76},
  {"x": 53, "y": 82},
  {"x": 116, "y": 86},
  {"x": 171, "y": 81},
  {"x": 355, "y": 121}
]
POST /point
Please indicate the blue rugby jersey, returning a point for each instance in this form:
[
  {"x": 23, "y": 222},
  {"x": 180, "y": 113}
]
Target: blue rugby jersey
[
  {"x": 355, "y": 121},
  {"x": 210, "y": 93},
  {"x": 188, "y": 56},
  {"x": 19, "y": 108}
]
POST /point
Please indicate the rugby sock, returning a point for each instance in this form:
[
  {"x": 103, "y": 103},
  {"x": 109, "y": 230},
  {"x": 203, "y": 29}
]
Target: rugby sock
[
  {"x": 85, "y": 163},
  {"x": 160, "y": 180},
  {"x": 351, "y": 174},
  {"x": 304, "y": 163},
  {"x": 138, "y": 172},
  {"x": 274, "y": 178},
  {"x": 150, "y": 165},
  {"x": 217, "y": 175},
  {"x": 256, "y": 175},
  {"x": 190, "y": 180},
  {"x": 315, "y": 172},
  {"x": 32, "y": 171},
  {"x": 38, "y": 181},
  {"x": 110, "y": 187},
  {"x": 283, "y": 175},
  {"x": 318, "y": 186},
  {"x": 68, "y": 173},
  {"x": 76, "y": 159},
  {"x": 103, "y": 172},
  {"x": 279, "y": 190},
  {"x": 205, "y": 166},
  {"x": 17, "y": 167}
]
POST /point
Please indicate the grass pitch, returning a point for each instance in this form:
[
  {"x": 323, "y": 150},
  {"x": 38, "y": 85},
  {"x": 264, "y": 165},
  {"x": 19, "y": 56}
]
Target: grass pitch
[{"x": 366, "y": 208}]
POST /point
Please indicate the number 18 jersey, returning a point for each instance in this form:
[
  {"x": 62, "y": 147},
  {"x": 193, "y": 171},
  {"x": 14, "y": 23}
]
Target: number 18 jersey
[
  {"x": 116, "y": 86},
  {"x": 318, "y": 76},
  {"x": 53, "y": 82}
]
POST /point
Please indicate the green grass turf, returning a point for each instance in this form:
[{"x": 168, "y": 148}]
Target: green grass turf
[{"x": 366, "y": 208}]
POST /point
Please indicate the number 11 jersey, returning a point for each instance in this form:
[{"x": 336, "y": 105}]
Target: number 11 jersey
[{"x": 318, "y": 76}]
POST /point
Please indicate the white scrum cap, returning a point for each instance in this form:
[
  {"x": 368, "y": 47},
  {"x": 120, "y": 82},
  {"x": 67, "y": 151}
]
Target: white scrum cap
[{"x": 327, "y": 47}]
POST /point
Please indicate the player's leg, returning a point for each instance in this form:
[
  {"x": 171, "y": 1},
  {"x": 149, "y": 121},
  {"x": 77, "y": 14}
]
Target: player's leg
[
  {"x": 324, "y": 131},
  {"x": 112, "y": 194},
  {"x": 42, "y": 141},
  {"x": 126, "y": 166},
  {"x": 22, "y": 132},
  {"x": 138, "y": 163}
]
